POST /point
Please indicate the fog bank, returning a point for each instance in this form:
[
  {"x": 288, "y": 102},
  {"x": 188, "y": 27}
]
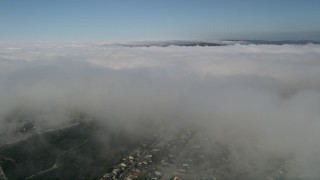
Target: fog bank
[{"x": 269, "y": 94}]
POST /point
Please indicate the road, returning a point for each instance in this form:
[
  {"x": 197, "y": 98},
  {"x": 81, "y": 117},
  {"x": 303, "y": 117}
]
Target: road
[
  {"x": 56, "y": 164},
  {"x": 25, "y": 137},
  {"x": 125, "y": 174},
  {"x": 2, "y": 175}
]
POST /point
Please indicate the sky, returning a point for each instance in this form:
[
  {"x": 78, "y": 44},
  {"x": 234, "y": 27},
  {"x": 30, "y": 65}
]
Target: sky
[{"x": 113, "y": 20}]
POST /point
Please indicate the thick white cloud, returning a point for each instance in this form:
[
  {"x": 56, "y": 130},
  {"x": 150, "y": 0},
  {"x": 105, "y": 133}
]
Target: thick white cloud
[{"x": 267, "y": 91}]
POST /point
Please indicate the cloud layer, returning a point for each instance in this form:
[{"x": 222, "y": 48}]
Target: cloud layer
[{"x": 266, "y": 92}]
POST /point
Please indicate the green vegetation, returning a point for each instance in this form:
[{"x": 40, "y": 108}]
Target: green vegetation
[{"x": 83, "y": 151}]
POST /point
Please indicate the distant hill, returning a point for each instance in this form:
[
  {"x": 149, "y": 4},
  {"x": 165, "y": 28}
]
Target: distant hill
[
  {"x": 182, "y": 43},
  {"x": 164, "y": 43},
  {"x": 281, "y": 42}
]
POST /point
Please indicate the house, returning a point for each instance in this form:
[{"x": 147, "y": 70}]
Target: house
[
  {"x": 185, "y": 165},
  {"x": 176, "y": 178},
  {"x": 157, "y": 173},
  {"x": 131, "y": 158},
  {"x": 115, "y": 171},
  {"x": 123, "y": 165}
]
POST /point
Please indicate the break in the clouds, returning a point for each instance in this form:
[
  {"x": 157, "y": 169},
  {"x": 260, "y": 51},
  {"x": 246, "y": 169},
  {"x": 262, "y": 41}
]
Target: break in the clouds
[{"x": 267, "y": 92}]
